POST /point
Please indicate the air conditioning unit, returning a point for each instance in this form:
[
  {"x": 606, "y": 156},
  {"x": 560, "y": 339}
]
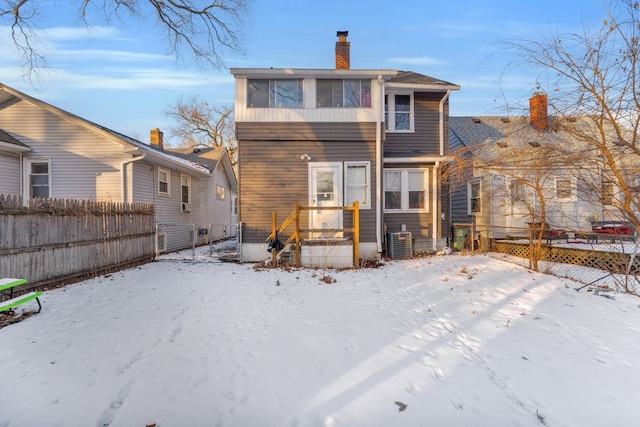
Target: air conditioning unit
[
  {"x": 399, "y": 245},
  {"x": 186, "y": 207}
]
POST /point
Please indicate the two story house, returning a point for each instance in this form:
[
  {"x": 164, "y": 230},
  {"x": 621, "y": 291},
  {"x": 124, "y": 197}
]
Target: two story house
[
  {"x": 330, "y": 137},
  {"x": 51, "y": 153}
]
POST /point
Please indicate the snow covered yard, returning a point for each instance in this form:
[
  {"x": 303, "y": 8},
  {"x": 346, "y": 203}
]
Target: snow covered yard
[{"x": 443, "y": 341}]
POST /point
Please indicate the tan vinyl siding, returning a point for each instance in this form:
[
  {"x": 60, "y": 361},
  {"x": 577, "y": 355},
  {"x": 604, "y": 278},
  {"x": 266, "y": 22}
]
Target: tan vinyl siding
[
  {"x": 10, "y": 173},
  {"x": 84, "y": 165},
  {"x": 426, "y": 136},
  {"x": 275, "y": 179}
]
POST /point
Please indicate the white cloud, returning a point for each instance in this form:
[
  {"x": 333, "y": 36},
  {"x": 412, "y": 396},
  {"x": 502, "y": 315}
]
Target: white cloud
[
  {"x": 106, "y": 55},
  {"x": 80, "y": 33}
]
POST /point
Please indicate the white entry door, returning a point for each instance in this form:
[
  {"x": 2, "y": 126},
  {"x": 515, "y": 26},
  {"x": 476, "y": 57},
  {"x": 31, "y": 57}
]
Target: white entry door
[{"x": 325, "y": 189}]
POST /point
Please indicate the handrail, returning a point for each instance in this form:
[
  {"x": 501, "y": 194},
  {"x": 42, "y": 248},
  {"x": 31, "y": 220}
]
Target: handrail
[{"x": 295, "y": 216}]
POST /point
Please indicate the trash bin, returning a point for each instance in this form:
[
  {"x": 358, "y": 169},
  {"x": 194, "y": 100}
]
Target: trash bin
[{"x": 460, "y": 235}]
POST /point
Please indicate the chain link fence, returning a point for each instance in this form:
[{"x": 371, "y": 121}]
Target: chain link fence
[{"x": 608, "y": 260}]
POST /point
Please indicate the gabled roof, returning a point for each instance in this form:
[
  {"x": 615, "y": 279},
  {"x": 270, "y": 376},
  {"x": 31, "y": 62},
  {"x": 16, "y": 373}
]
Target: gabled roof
[
  {"x": 409, "y": 78},
  {"x": 209, "y": 157},
  {"x": 136, "y": 146},
  {"x": 9, "y": 143}
]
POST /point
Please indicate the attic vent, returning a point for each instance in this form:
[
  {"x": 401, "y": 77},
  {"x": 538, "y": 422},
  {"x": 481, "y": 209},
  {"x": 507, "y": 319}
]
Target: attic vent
[
  {"x": 196, "y": 150},
  {"x": 502, "y": 144},
  {"x": 534, "y": 143},
  {"x": 505, "y": 120},
  {"x": 619, "y": 143},
  {"x": 476, "y": 120},
  {"x": 571, "y": 119}
]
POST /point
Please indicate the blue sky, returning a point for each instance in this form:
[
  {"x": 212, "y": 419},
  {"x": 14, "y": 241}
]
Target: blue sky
[{"x": 121, "y": 76}]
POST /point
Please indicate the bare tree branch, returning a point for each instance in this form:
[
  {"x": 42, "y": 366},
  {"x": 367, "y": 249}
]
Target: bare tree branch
[
  {"x": 203, "y": 125},
  {"x": 205, "y": 30}
]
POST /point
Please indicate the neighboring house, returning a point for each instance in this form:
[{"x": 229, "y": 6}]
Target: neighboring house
[
  {"x": 330, "y": 137},
  {"x": 528, "y": 152},
  {"x": 48, "y": 152}
]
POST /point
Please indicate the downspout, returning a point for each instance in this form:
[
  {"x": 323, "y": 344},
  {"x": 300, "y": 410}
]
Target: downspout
[
  {"x": 379, "y": 167},
  {"x": 123, "y": 164},
  {"x": 436, "y": 169},
  {"x": 435, "y": 204}
]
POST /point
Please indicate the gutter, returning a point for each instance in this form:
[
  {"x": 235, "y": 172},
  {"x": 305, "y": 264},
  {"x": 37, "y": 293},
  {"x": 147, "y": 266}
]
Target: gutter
[
  {"x": 380, "y": 168},
  {"x": 123, "y": 165},
  {"x": 436, "y": 168}
]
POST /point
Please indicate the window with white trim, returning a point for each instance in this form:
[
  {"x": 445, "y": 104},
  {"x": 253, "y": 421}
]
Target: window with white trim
[
  {"x": 474, "y": 197},
  {"x": 185, "y": 192},
  {"x": 164, "y": 182},
  {"x": 398, "y": 112},
  {"x": 406, "y": 190},
  {"x": 348, "y": 93},
  {"x": 221, "y": 192},
  {"x": 608, "y": 192},
  {"x": 357, "y": 183},
  {"x": 38, "y": 178},
  {"x": 564, "y": 189},
  {"x": 275, "y": 93}
]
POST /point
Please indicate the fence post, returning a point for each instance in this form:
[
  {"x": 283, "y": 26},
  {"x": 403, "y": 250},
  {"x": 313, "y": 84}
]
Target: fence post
[
  {"x": 274, "y": 253},
  {"x": 356, "y": 234},
  {"x": 298, "y": 260}
]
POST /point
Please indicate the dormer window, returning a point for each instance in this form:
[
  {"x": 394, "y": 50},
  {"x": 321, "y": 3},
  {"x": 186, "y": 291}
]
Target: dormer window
[{"x": 274, "y": 93}]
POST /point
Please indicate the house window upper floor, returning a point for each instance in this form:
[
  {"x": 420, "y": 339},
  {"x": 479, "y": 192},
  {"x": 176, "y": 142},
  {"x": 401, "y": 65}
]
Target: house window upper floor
[
  {"x": 348, "y": 93},
  {"x": 565, "y": 190},
  {"x": 221, "y": 192},
  {"x": 275, "y": 93},
  {"x": 398, "y": 112}
]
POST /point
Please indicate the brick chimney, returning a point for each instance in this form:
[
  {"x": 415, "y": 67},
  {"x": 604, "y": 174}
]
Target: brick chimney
[
  {"x": 156, "y": 139},
  {"x": 343, "y": 60},
  {"x": 538, "y": 108}
]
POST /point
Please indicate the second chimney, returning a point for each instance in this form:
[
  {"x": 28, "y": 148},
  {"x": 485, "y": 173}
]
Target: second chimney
[
  {"x": 538, "y": 111},
  {"x": 156, "y": 138},
  {"x": 343, "y": 60}
]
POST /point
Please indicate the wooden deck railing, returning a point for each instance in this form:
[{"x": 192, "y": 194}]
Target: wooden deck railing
[{"x": 296, "y": 239}]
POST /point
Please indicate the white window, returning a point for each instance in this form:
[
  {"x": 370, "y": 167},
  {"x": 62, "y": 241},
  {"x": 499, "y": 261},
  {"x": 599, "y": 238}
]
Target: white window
[
  {"x": 221, "y": 192},
  {"x": 37, "y": 178},
  {"x": 185, "y": 192},
  {"x": 406, "y": 190},
  {"x": 564, "y": 190},
  {"x": 274, "y": 93},
  {"x": 356, "y": 183},
  {"x": 164, "y": 182},
  {"x": 608, "y": 192},
  {"x": 474, "y": 197},
  {"x": 350, "y": 93},
  {"x": 519, "y": 192},
  {"x": 398, "y": 112}
]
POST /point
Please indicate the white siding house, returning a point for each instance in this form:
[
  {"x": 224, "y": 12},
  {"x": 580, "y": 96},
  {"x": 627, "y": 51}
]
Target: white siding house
[{"x": 48, "y": 152}]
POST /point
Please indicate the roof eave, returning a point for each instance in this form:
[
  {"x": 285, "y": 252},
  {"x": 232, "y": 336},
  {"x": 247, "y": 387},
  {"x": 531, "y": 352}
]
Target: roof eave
[{"x": 9, "y": 146}]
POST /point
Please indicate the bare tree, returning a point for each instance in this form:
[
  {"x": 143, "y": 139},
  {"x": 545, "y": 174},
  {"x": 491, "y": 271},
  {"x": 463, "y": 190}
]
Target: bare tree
[
  {"x": 592, "y": 79},
  {"x": 204, "y": 125},
  {"x": 518, "y": 169},
  {"x": 206, "y": 29}
]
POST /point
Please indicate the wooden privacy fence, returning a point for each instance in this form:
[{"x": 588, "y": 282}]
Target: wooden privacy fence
[{"x": 51, "y": 240}]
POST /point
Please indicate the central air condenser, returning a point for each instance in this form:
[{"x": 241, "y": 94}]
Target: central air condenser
[{"x": 399, "y": 245}]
